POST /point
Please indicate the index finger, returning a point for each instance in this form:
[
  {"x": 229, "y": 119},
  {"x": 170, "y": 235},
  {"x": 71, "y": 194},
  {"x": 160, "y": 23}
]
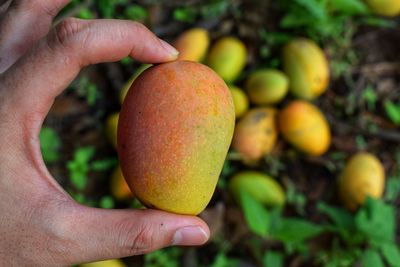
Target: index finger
[{"x": 47, "y": 70}]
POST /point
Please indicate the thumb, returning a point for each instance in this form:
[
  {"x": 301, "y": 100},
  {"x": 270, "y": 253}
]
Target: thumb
[{"x": 98, "y": 234}]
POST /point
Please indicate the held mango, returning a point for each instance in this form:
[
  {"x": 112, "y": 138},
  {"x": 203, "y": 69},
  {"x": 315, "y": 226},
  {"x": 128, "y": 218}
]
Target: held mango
[
  {"x": 227, "y": 57},
  {"x": 111, "y": 128},
  {"x": 128, "y": 84},
  {"x": 304, "y": 126},
  {"x": 307, "y": 68},
  {"x": 240, "y": 100},
  {"x": 267, "y": 86},
  {"x": 119, "y": 188},
  {"x": 260, "y": 186},
  {"x": 362, "y": 176},
  {"x": 388, "y": 8},
  {"x": 192, "y": 44},
  {"x": 107, "y": 263},
  {"x": 255, "y": 134},
  {"x": 174, "y": 132}
]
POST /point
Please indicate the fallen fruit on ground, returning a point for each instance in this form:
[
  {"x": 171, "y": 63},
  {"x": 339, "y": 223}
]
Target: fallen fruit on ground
[
  {"x": 174, "y": 132},
  {"x": 307, "y": 67},
  {"x": 388, "y": 8},
  {"x": 240, "y": 100},
  {"x": 111, "y": 128},
  {"x": 119, "y": 188},
  {"x": 362, "y": 176},
  {"x": 107, "y": 263},
  {"x": 193, "y": 44},
  {"x": 227, "y": 57},
  {"x": 267, "y": 86},
  {"x": 260, "y": 186},
  {"x": 255, "y": 134},
  {"x": 304, "y": 126}
]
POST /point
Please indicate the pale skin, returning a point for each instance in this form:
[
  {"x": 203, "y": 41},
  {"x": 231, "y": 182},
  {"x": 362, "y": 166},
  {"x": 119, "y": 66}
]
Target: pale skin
[{"x": 40, "y": 224}]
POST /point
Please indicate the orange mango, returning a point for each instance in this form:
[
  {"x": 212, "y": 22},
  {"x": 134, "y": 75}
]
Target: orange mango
[{"x": 174, "y": 132}]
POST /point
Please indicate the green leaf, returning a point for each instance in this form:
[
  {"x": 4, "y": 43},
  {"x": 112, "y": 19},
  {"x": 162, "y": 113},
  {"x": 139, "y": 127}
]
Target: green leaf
[
  {"x": 185, "y": 14},
  {"x": 221, "y": 260},
  {"x": 392, "y": 111},
  {"x": 215, "y": 9},
  {"x": 392, "y": 189},
  {"x": 79, "y": 180},
  {"x": 391, "y": 253},
  {"x": 293, "y": 230},
  {"x": 106, "y": 202},
  {"x": 273, "y": 259},
  {"x": 349, "y": 7},
  {"x": 50, "y": 143},
  {"x": 85, "y": 13},
  {"x": 315, "y": 8},
  {"x": 91, "y": 95},
  {"x": 136, "y": 12},
  {"x": 376, "y": 220},
  {"x": 341, "y": 217},
  {"x": 371, "y": 258},
  {"x": 378, "y": 22},
  {"x": 84, "y": 154},
  {"x": 370, "y": 96},
  {"x": 255, "y": 213},
  {"x": 103, "y": 165}
]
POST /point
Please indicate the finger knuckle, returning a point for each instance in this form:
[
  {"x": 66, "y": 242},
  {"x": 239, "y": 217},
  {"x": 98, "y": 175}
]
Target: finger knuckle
[
  {"x": 135, "y": 239},
  {"x": 64, "y": 34}
]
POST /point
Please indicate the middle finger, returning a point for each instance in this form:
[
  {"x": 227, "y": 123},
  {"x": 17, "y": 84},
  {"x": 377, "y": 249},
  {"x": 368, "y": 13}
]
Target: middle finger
[{"x": 22, "y": 25}]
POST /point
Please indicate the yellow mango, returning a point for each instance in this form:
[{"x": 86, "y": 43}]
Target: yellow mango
[
  {"x": 227, "y": 57},
  {"x": 255, "y": 134},
  {"x": 362, "y": 176},
  {"x": 307, "y": 67},
  {"x": 261, "y": 187},
  {"x": 267, "y": 86},
  {"x": 111, "y": 128},
  {"x": 128, "y": 84},
  {"x": 119, "y": 188},
  {"x": 106, "y": 263},
  {"x": 304, "y": 126},
  {"x": 192, "y": 44},
  {"x": 240, "y": 100},
  {"x": 388, "y": 8}
]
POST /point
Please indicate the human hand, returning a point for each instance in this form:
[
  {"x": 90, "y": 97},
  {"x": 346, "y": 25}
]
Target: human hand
[{"x": 40, "y": 224}]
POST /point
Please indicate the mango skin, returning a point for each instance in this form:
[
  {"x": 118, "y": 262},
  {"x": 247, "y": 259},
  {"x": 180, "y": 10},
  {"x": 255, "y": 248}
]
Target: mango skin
[
  {"x": 307, "y": 67},
  {"x": 255, "y": 134},
  {"x": 106, "y": 263},
  {"x": 362, "y": 176},
  {"x": 111, "y": 128},
  {"x": 304, "y": 126},
  {"x": 240, "y": 100},
  {"x": 227, "y": 57},
  {"x": 388, "y": 8},
  {"x": 119, "y": 188},
  {"x": 260, "y": 186},
  {"x": 193, "y": 44},
  {"x": 128, "y": 84},
  {"x": 267, "y": 86},
  {"x": 174, "y": 132}
]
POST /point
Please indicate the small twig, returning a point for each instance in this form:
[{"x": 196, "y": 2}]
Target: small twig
[
  {"x": 379, "y": 69},
  {"x": 388, "y": 135}
]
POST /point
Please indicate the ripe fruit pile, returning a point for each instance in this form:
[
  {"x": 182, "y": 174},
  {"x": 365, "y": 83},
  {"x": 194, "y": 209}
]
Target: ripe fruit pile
[{"x": 264, "y": 112}]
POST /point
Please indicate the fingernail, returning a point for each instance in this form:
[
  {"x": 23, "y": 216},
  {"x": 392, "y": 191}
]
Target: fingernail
[
  {"x": 190, "y": 236},
  {"x": 169, "y": 48}
]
